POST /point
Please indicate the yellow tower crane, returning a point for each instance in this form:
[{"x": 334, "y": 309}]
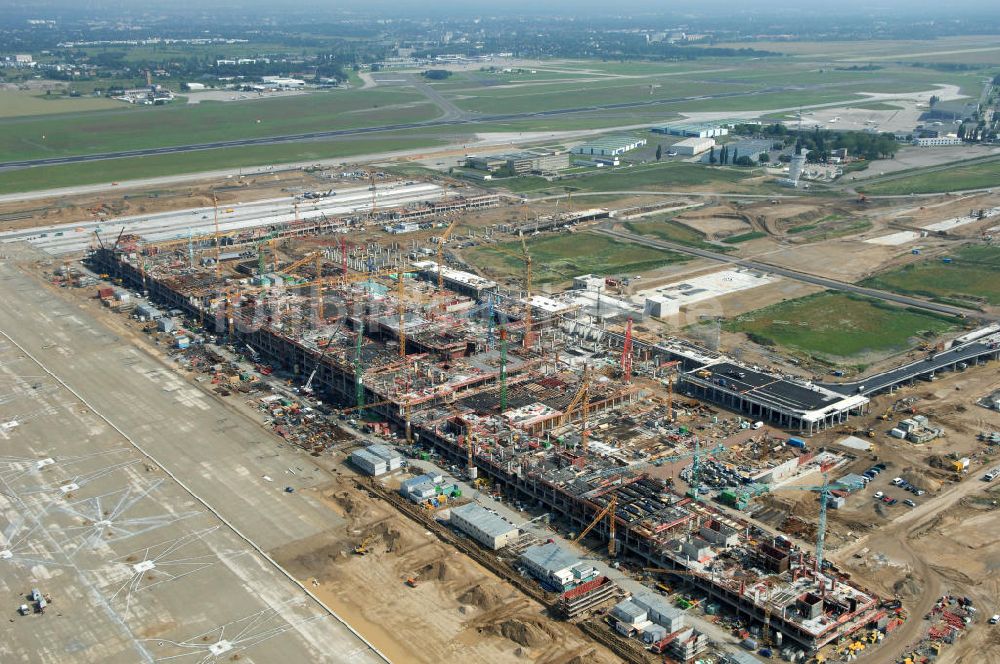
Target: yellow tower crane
[
  {"x": 581, "y": 402},
  {"x": 440, "y": 259},
  {"x": 528, "y": 334},
  {"x": 608, "y": 511}
]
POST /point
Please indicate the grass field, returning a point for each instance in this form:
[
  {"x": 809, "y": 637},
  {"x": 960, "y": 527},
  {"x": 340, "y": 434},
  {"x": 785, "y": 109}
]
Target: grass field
[
  {"x": 744, "y": 237},
  {"x": 575, "y": 95},
  {"x": 558, "y": 258},
  {"x": 965, "y": 49},
  {"x": 665, "y": 228},
  {"x": 131, "y": 129},
  {"x": 838, "y": 325},
  {"x": 974, "y": 273},
  {"x": 979, "y": 175},
  {"x": 15, "y": 103},
  {"x": 130, "y": 168}
]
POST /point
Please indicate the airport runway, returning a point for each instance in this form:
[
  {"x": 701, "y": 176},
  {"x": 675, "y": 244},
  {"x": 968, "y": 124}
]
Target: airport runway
[
  {"x": 445, "y": 121},
  {"x": 200, "y": 221}
]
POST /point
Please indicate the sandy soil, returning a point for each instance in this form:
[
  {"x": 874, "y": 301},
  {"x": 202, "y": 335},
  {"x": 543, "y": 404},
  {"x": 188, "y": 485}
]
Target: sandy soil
[
  {"x": 457, "y": 611},
  {"x": 950, "y": 543}
]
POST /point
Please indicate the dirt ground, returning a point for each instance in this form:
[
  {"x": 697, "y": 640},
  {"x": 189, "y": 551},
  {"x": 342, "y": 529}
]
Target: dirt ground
[
  {"x": 457, "y": 609},
  {"x": 950, "y": 543}
]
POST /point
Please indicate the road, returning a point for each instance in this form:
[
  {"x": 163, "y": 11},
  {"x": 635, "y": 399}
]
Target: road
[
  {"x": 824, "y": 282},
  {"x": 940, "y": 362},
  {"x": 444, "y": 121},
  {"x": 201, "y": 221}
]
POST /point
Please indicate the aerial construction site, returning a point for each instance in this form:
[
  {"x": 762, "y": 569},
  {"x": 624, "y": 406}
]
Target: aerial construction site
[{"x": 572, "y": 481}]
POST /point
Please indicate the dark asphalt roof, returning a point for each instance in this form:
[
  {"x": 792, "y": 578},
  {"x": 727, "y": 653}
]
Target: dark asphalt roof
[{"x": 768, "y": 387}]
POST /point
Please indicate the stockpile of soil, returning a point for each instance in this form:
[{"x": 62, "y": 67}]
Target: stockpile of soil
[
  {"x": 907, "y": 587},
  {"x": 387, "y": 535},
  {"x": 528, "y": 632},
  {"x": 437, "y": 570},
  {"x": 590, "y": 657},
  {"x": 922, "y": 481},
  {"x": 483, "y": 596}
]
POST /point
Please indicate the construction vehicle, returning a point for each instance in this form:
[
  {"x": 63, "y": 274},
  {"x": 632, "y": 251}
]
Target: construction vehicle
[
  {"x": 411, "y": 582},
  {"x": 362, "y": 547}
]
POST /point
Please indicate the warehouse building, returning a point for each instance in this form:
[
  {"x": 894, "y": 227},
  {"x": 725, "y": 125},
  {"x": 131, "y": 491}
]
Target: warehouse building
[
  {"x": 936, "y": 141},
  {"x": 377, "y": 460},
  {"x": 556, "y": 567},
  {"x": 520, "y": 163},
  {"x": 421, "y": 487},
  {"x": 692, "y": 146},
  {"x": 610, "y": 146},
  {"x": 660, "y": 611},
  {"x": 692, "y": 130},
  {"x": 486, "y": 527}
]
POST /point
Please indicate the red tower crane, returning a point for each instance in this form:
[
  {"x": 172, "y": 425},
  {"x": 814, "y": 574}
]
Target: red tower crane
[{"x": 627, "y": 354}]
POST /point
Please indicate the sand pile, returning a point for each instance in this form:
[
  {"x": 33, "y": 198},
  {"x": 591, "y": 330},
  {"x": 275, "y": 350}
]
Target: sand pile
[
  {"x": 528, "y": 632},
  {"x": 483, "y": 596},
  {"x": 437, "y": 570}
]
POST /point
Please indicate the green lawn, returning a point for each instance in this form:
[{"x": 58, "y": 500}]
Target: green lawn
[
  {"x": 665, "y": 228},
  {"x": 557, "y": 258},
  {"x": 838, "y": 325},
  {"x": 130, "y": 128},
  {"x": 18, "y": 103},
  {"x": 130, "y": 168},
  {"x": 958, "y": 178},
  {"x": 973, "y": 273}
]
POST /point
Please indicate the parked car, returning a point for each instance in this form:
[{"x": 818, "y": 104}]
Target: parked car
[
  {"x": 909, "y": 503},
  {"x": 879, "y": 495}
]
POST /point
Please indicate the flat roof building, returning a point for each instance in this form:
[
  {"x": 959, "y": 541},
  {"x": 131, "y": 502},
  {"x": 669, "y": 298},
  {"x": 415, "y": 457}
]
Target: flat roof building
[
  {"x": 486, "y": 527},
  {"x": 694, "y": 130},
  {"x": 692, "y": 146},
  {"x": 610, "y": 146},
  {"x": 557, "y": 567}
]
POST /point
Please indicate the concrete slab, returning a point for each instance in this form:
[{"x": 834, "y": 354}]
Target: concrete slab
[{"x": 144, "y": 557}]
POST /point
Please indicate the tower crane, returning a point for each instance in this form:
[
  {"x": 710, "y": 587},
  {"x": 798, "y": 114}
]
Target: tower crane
[
  {"x": 824, "y": 498},
  {"x": 503, "y": 370},
  {"x": 608, "y": 511},
  {"x": 307, "y": 388},
  {"x": 627, "y": 353},
  {"x": 581, "y": 401},
  {"x": 440, "y": 258},
  {"x": 526, "y": 258},
  {"x": 528, "y": 334},
  {"x": 218, "y": 242}
]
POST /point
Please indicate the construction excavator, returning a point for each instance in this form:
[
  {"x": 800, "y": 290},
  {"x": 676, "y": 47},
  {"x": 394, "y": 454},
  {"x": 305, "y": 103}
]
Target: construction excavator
[{"x": 362, "y": 547}]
